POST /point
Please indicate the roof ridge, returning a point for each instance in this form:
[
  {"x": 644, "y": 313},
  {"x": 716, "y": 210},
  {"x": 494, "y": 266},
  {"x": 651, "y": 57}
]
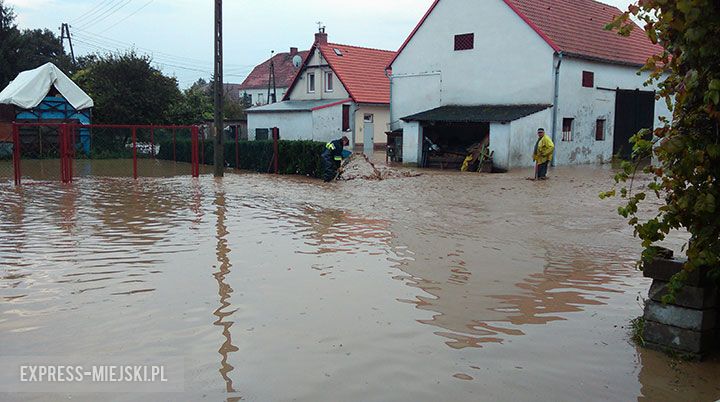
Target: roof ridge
[{"x": 360, "y": 47}]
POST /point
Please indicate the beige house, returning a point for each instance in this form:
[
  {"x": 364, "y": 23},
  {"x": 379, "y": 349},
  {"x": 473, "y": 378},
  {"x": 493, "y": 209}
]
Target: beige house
[{"x": 339, "y": 90}]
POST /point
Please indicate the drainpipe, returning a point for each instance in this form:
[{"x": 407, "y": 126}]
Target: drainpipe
[
  {"x": 556, "y": 96},
  {"x": 389, "y": 76}
]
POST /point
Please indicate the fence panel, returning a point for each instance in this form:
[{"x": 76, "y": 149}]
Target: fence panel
[{"x": 57, "y": 151}]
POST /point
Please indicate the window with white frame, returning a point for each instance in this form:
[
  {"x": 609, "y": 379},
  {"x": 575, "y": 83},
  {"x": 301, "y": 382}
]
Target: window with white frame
[
  {"x": 329, "y": 81},
  {"x": 567, "y": 129},
  {"x": 368, "y": 117},
  {"x": 311, "y": 82},
  {"x": 261, "y": 98}
]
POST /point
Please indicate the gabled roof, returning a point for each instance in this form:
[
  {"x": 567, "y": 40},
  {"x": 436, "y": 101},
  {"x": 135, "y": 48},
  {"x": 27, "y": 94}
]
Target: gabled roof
[
  {"x": 576, "y": 28},
  {"x": 361, "y": 70},
  {"x": 284, "y": 72},
  {"x": 476, "y": 114},
  {"x": 32, "y": 86}
]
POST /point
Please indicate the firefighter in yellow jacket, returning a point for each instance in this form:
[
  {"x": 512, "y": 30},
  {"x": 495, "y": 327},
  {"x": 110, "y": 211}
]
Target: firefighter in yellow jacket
[{"x": 543, "y": 154}]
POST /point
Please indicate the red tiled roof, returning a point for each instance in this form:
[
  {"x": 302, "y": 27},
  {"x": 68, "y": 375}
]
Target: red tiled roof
[
  {"x": 361, "y": 70},
  {"x": 284, "y": 72},
  {"x": 575, "y": 27}
]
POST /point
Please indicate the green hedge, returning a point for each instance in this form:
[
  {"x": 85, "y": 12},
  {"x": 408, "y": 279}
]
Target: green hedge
[{"x": 296, "y": 157}]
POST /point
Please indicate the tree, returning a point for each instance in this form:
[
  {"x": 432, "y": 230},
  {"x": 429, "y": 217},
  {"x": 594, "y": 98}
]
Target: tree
[
  {"x": 27, "y": 49},
  {"x": 687, "y": 147},
  {"x": 127, "y": 89}
]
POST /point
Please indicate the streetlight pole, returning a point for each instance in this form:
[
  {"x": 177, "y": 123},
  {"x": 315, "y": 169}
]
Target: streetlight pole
[{"x": 219, "y": 159}]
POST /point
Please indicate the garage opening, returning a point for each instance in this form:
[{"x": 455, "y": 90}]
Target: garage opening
[{"x": 447, "y": 144}]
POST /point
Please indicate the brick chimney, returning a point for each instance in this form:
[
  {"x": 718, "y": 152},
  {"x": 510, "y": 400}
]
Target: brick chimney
[
  {"x": 293, "y": 51},
  {"x": 321, "y": 37}
]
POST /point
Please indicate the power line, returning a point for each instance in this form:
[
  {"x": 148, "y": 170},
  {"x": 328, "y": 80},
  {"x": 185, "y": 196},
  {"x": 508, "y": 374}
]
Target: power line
[
  {"x": 93, "y": 10},
  {"x": 126, "y": 17},
  {"x": 106, "y": 14}
]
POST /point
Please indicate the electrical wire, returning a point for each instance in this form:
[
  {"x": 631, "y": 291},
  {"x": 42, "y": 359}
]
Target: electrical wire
[
  {"x": 126, "y": 17},
  {"x": 106, "y": 14},
  {"x": 93, "y": 10}
]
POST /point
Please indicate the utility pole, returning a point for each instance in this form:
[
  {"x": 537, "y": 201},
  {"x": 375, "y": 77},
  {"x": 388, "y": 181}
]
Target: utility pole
[
  {"x": 272, "y": 95},
  {"x": 65, "y": 33},
  {"x": 219, "y": 159}
]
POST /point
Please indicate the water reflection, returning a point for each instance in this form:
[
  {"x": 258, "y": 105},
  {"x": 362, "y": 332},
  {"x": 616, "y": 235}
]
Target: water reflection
[
  {"x": 571, "y": 279},
  {"x": 222, "y": 251}
]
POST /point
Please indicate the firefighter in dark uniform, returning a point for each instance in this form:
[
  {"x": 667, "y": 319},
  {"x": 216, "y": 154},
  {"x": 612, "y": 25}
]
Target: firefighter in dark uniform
[{"x": 332, "y": 157}]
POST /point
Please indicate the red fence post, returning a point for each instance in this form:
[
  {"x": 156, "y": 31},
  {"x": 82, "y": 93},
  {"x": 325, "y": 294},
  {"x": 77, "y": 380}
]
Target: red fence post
[
  {"x": 152, "y": 141},
  {"x": 276, "y": 138},
  {"x": 237, "y": 147},
  {"x": 194, "y": 132},
  {"x": 174, "y": 155},
  {"x": 16, "y": 153},
  {"x": 134, "y": 141}
]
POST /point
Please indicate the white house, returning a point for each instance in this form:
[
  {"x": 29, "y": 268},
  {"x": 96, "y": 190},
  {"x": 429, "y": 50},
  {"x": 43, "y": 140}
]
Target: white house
[
  {"x": 504, "y": 68},
  {"x": 256, "y": 86},
  {"x": 339, "y": 90}
]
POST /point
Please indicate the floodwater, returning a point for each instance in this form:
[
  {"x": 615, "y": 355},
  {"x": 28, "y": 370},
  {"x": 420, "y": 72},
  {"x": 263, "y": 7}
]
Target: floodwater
[{"x": 443, "y": 287}]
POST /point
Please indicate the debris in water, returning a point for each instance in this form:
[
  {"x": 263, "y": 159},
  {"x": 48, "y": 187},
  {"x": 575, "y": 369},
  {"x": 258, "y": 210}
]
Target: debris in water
[{"x": 358, "y": 166}]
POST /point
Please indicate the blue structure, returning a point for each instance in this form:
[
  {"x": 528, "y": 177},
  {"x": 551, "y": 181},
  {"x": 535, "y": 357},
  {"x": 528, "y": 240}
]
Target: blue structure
[{"x": 56, "y": 109}]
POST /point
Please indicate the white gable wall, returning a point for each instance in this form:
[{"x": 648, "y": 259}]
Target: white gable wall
[
  {"x": 587, "y": 105},
  {"x": 510, "y": 62}
]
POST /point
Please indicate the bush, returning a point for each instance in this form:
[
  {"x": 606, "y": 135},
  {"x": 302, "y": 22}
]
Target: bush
[{"x": 296, "y": 157}]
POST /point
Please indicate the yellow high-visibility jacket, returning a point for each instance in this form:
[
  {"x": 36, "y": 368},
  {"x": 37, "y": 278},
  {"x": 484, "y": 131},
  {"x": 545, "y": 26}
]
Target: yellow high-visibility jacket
[{"x": 544, "y": 151}]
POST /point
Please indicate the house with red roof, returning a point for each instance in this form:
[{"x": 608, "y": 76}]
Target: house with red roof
[
  {"x": 340, "y": 90},
  {"x": 497, "y": 70},
  {"x": 259, "y": 84}
]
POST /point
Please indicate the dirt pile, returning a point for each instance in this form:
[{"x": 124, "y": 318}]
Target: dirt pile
[{"x": 359, "y": 167}]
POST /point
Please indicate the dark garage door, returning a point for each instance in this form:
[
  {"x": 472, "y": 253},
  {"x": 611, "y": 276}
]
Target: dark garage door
[{"x": 634, "y": 110}]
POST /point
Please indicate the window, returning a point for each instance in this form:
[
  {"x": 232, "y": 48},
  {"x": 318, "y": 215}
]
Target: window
[
  {"x": 465, "y": 41},
  {"x": 311, "y": 82},
  {"x": 338, "y": 51},
  {"x": 261, "y": 99},
  {"x": 261, "y": 134},
  {"x": 346, "y": 118},
  {"x": 328, "y": 82},
  {"x": 368, "y": 117},
  {"x": 567, "y": 129},
  {"x": 600, "y": 130},
  {"x": 588, "y": 79}
]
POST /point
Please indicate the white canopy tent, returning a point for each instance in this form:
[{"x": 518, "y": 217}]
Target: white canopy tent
[{"x": 30, "y": 88}]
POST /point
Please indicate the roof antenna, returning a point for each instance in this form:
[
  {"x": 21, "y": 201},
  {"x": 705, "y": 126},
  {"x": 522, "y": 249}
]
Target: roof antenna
[{"x": 321, "y": 27}]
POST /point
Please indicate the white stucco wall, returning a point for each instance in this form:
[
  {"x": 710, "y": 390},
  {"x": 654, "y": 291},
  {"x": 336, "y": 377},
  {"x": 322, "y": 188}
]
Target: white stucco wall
[
  {"x": 523, "y": 136},
  {"x": 293, "y": 126},
  {"x": 587, "y": 105},
  {"x": 510, "y": 63},
  {"x": 500, "y": 144},
  {"x": 327, "y": 123}
]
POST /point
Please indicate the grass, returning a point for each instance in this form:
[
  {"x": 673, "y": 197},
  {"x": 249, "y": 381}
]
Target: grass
[{"x": 637, "y": 325}]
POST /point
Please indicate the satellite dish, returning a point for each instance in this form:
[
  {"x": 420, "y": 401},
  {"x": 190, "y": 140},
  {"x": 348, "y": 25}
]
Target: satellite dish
[{"x": 297, "y": 61}]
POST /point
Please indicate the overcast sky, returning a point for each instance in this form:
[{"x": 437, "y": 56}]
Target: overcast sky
[{"x": 179, "y": 33}]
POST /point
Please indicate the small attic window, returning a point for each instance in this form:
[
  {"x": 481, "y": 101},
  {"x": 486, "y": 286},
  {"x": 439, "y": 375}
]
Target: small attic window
[
  {"x": 465, "y": 41},
  {"x": 338, "y": 51},
  {"x": 588, "y": 79}
]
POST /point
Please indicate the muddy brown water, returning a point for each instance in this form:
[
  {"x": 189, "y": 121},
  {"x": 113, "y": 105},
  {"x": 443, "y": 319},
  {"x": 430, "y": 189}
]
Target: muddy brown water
[{"x": 444, "y": 287}]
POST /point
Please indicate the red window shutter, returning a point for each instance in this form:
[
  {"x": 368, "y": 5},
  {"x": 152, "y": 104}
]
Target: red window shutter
[
  {"x": 346, "y": 118},
  {"x": 588, "y": 79},
  {"x": 465, "y": 41}
]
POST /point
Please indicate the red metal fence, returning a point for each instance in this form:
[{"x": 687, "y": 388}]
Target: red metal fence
[{"x": 67, "y": 142}]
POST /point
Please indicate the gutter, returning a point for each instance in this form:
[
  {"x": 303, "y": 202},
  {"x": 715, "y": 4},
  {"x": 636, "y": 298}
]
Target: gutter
[
  {"x": 390, "y": 78},
  {"x": 556, "y": 97}
]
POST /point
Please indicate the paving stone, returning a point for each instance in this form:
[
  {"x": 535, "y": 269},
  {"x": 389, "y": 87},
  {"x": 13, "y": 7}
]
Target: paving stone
[
  {"x": 679, "y": 339},
  {"x": 689, "y": 296},
  {"x": 682, "y": 317}
]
